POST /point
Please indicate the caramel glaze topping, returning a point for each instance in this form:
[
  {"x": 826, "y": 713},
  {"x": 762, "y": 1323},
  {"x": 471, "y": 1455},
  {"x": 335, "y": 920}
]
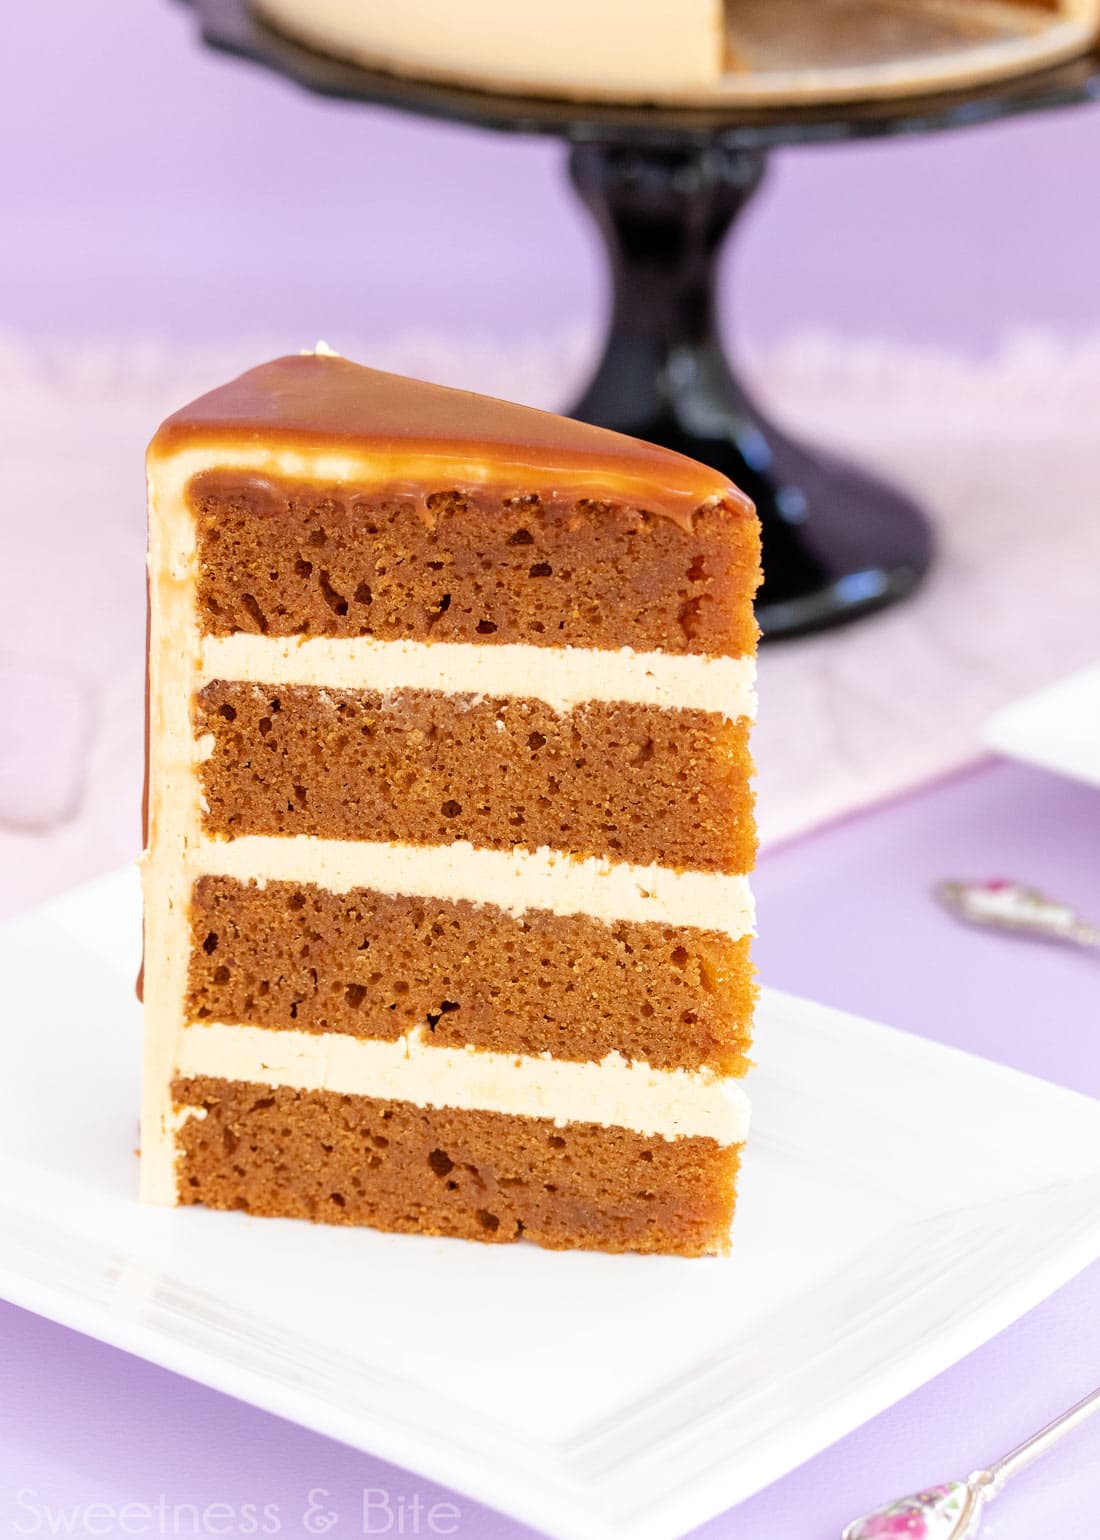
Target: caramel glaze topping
[{"x": 318, "y": 403}]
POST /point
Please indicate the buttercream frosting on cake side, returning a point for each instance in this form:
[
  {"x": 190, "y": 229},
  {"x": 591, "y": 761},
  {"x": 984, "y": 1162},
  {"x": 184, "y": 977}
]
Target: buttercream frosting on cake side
[
  {"x": 562, "y": 676},
  {"x": 667, "y": 1103}
]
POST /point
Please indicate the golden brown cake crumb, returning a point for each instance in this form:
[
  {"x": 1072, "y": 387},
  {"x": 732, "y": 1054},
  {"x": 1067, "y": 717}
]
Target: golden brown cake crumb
[
  {"x": 479, "y": 1175},
  {"x": 635, "y": 783},
  {"x": 296, "y": 957},
  {"x": 282, "y": 561}
]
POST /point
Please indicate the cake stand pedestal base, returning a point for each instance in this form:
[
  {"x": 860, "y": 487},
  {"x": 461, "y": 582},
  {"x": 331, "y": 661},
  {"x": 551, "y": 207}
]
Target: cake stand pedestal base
[{"x": 837, "y": 542}]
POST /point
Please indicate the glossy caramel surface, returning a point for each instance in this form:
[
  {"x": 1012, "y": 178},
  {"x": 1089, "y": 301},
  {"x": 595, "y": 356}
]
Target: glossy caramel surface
[{"x": 325, "y": 405}]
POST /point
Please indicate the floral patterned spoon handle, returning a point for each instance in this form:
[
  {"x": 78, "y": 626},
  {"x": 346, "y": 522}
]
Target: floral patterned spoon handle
[
  {"x": 1002, "y": 904},
  {"x": 953, "y": 1511}
]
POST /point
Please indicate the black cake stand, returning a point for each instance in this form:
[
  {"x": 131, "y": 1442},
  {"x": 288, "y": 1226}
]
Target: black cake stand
[{"x": 665, "y": 184}]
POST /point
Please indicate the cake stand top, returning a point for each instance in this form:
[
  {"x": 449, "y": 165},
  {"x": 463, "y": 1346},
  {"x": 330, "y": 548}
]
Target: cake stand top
[{"x": 230, "y": 26}]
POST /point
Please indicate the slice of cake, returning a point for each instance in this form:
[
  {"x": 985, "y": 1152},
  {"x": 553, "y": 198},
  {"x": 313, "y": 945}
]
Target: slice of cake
[{"x": 447, "y": 912}]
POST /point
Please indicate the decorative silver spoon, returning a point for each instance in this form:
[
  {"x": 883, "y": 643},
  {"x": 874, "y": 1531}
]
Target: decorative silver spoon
[
  {"x": 1001, "y": 904},
  {"x": 953, "y": 1511}
]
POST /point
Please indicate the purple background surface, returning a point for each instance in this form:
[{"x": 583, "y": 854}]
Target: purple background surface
[
  {"x": 150, "y": 186},
  {"x": 150, "y": 189}
]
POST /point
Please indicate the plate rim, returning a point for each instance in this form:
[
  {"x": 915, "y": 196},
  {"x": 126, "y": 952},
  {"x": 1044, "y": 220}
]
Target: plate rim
[
  {"x": 532, "y": 1498},
  {"x": 1001, "y": 731}
]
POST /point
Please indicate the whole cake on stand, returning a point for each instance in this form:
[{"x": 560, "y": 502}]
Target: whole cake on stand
[{"x": 696, "y": 51}]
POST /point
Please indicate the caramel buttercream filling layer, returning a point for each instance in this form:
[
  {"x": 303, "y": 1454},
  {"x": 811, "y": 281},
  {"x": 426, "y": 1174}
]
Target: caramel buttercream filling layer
[
  {"x": 613, "y": 1092},
  {"x": 514, "y": 880},
  {"x": 563, "y": 677}
]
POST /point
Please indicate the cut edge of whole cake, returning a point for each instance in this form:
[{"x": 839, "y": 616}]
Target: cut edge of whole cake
[{"x": 447, "y": 911}]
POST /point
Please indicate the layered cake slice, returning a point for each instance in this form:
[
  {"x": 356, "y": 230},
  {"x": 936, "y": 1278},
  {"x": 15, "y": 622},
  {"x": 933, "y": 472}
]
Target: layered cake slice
[{"x": 447, "y": 911}]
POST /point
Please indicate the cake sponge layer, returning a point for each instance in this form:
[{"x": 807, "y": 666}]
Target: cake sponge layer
[
  {"x": 478, "y": 1175},
  {"x": 291, "y": 560},
  {"x": 291, "y": 956},
  {"x": 629, "y": 782}
]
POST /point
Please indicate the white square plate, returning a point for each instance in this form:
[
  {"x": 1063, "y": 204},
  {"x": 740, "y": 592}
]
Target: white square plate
[
  {"x": 1057, "y": 728},
  {"x": 901, "y": 1202}
]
